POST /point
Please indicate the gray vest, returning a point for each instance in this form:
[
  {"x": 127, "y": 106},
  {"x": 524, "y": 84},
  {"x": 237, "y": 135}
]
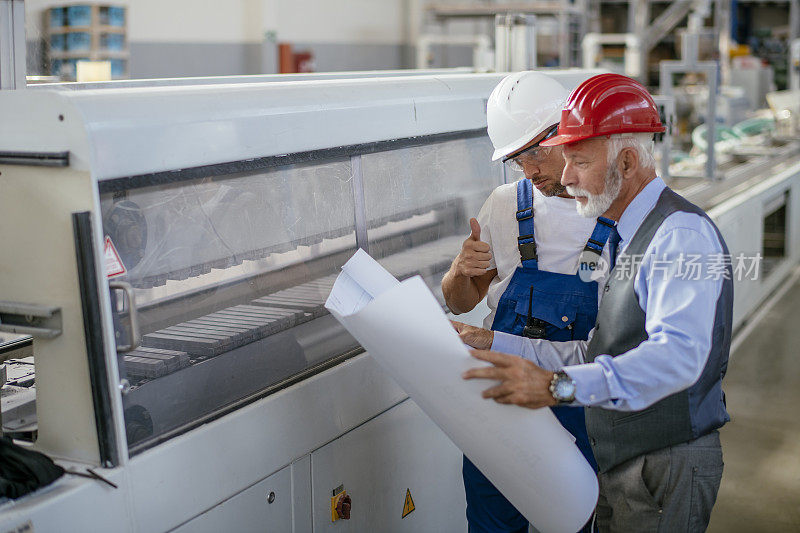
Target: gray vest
[{"x": 617, "y": 436}]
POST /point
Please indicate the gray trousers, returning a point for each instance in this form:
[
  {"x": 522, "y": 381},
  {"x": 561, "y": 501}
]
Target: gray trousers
[{"x": 672, "y": 489}]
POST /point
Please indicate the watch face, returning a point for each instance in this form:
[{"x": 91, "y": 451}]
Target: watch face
[{"x": 564, "y": 389}]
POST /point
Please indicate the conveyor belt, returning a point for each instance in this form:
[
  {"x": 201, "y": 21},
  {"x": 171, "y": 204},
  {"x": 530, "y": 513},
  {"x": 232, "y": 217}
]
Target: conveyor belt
[
  {"x": 142, "y": 367},
  {"x": 232, "y": 327},
  {"x": 310, "y": 296},
  {"x": 737, "y": 179},
  {"x": 152, "y": 363}
]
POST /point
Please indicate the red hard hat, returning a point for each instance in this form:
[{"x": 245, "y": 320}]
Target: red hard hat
[{"x": 604, "y": 105}]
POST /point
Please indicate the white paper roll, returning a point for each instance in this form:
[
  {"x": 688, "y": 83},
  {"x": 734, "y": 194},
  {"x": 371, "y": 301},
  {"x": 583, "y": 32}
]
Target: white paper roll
[{"x": 526, "y": 453}]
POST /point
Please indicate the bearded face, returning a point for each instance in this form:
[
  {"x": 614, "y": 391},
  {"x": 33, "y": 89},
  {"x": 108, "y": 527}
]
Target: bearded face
[{"x": 597, "y": 204}]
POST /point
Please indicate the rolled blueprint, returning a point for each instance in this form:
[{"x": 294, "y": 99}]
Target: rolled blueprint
[{"x": 526, "y": 453}]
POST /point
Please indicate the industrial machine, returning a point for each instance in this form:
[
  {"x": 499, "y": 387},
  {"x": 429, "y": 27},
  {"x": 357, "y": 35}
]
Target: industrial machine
[
  {"x": 172, "y": 249},
  {"x": 179, "y": 244}
]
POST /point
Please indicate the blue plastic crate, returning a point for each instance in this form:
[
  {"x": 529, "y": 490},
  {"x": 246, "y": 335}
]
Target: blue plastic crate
[
  {"x": 58, "y": 42},
  {"x": 56, "y": 17},
  {"x": 117, "y": 68},
  {"x": 116, "y": 16},
  {"x": 79, "y": 15},
  {"x": 79, "y": 41},
  {"x": 113, "y": 42}
]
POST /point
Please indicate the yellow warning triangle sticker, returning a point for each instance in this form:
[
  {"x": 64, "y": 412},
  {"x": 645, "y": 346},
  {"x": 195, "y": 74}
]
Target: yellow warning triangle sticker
[{"x": 408, "y": 506}]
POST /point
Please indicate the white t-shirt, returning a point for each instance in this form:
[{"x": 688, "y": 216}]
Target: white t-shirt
[{"x": 560, "y": 232}]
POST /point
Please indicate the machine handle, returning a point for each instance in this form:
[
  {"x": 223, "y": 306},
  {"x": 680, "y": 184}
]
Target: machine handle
[{"x": 133, "y": 320}]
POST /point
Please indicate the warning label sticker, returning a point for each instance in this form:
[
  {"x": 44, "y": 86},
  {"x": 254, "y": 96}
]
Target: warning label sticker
[
  {"x": 408, "y": 506},
  {"x": 114, "y": 266}
]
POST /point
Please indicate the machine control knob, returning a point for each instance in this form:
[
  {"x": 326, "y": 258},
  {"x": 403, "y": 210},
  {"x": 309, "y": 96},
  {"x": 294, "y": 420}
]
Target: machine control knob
[{"x": 343, "y": 507}]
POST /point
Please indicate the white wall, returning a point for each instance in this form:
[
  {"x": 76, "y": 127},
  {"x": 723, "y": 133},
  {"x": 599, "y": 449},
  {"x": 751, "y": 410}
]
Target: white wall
[
  {"x": 338, "y": 21},
  {"x": 246, "y": 21},
  {"x": 187, "y": 21}
]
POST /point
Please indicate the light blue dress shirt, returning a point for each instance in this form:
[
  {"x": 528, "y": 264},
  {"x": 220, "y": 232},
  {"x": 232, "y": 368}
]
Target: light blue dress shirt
[{"x": 677, "y": 285}]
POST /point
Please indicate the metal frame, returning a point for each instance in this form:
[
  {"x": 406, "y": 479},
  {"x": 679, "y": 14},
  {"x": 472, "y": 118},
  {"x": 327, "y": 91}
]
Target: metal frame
[
  {"x": 41, "y": 159},
  {"x": 263, "y": 163},
  {"x": 666, "y": 104},
  {"x": 359, "y": 204},
  {"x": 12, "y": 44},
  {"x": 42, "y": 321},
  {"x": 722, "y": 22},
  {"x": 649, "y": 33},
  {"x": 93, "y": 333},
  {"x": 256, "y": 78},
  {"x": 515, "y": 42},
  {"x": 592, "y": 43},
  {"x": 566, "y": 12},
  {"x": 794, "y": 65},
  {"x": 689, "y": 63}
]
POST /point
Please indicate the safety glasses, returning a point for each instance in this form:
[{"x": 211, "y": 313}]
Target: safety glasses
[{"x": 532, "y": 155}]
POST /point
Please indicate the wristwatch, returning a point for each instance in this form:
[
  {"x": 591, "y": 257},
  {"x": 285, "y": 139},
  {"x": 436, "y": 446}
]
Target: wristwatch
[{"x": 562, "y": 387}]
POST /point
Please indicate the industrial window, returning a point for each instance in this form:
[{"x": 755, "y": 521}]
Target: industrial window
[{"x": 774, "y": 240}]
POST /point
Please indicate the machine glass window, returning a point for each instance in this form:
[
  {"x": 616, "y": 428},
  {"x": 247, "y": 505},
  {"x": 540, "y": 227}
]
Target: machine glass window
[
  {"x": 230, "y": 274},
  {"x": 774, "y": 241},
  {"x": 419, "y": 200}
]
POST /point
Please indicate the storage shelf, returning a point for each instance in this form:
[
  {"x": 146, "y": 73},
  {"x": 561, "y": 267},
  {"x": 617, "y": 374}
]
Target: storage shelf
[
  {"x": 62, "y": 59},
  {"x": 86, "y": 29},
  {"x": 94, "y": 55}
]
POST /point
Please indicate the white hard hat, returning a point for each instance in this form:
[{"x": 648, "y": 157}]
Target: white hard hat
[{"x": 521, "y": 107}]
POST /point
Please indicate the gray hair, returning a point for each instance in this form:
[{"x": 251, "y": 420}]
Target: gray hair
[{"x": 641, "y": 142}]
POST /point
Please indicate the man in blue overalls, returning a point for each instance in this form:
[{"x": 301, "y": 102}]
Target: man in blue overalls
[{"x": 531, "y": 255}]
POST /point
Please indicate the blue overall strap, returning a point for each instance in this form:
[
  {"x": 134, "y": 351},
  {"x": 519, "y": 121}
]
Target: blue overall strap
[
  {"x": 526, "y": 241},
  {"x": 600, "y": 235},
  {"x": 593, "y": 250}
]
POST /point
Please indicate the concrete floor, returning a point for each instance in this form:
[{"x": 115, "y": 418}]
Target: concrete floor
[{"x": 761, "y": 445}]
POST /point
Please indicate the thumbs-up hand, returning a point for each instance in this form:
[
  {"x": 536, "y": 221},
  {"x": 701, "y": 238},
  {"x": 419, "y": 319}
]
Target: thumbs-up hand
[
  {"x": 473, "y": 260},
  {"x": 476, "y": 229}
]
